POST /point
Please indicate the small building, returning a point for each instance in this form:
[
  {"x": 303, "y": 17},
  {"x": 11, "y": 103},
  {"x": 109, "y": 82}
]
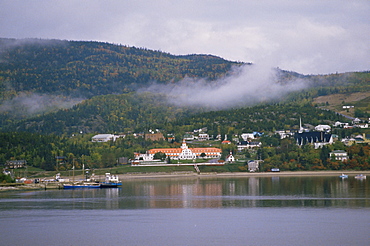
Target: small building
[
  {"x": 254, "y": 144},
  {"x": 171, "y": 139},
  {"x": 100, "y": 138},
  {"x": 356, "y": 121},
  {"x": 363, "y": 125},
  {"x": 203, "y": 137},
  {"x": 154, "y": 136},
  {"x": 248, "y": 145},
  {"x": 15, "y": 164},
  {"x": 189, "y": 137},
  {"x": 253, "y": 165},
  {"x": 323, "y": 128},
  {"x": 230, "y": 158},
  {"x": 340, "y": 124},
  {"x": 339, "y": 155},
  {"x": 123, "y": 160},
  {"x": 247, "y": 136}
]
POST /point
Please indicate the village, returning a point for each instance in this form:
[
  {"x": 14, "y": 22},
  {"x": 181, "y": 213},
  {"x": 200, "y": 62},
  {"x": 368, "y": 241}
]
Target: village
[
  {"x": 316, "y": 136},
  {"x": 211, "y": 150}
]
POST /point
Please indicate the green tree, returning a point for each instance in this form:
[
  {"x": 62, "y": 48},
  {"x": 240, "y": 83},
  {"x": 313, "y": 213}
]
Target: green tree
[
  {"x": 159, "y": 155},
  {"x": 324, "y": 154}
]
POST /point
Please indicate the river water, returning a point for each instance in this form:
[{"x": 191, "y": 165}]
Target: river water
[{"x": 193, "y": 211}]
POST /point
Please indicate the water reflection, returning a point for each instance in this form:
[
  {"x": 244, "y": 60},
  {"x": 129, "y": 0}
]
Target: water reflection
[
  {"x": 202, "y": 193},
  {"x": 247, "y": 192}
]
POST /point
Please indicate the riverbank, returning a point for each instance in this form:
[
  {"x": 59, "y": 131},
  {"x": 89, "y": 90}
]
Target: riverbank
[
  {"x": 123, "y": 177},
  {"x": 240, "y": 174}
]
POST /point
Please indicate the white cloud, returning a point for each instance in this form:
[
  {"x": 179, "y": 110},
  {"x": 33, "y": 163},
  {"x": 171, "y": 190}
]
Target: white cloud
[{"x": 247, "y": 85}]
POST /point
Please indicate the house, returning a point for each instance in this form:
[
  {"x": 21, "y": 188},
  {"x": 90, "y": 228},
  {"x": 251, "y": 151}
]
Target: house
[
  {"x": 182, "y": 153},
  {"x": 247, "y": 136},
  {"x": 15, "y": 164},
  {"x": 154, "y": 136},
  {"x": 364, "y": 125},
  {"x": 348, "y": 141},
  {"x": 104, "y": 138},
  {"x": 323, "y": 128},
  {"x": 339, "y": 155},
  {"x": 318, "y": 139},
  {"x": 348, "y": 107},
  {"x": 138, "y": 135},
  {"x": 203, "y": 137},
  {"x": 356, "y": 121},
  {"x": 226, "y": 141},
  {"x": 242, "y": 145},
  {"x": 123, "y": 160},
  {"x": 230, "y": 158},
  {"x": 248, "y": 145},
  {"x": 253, "y": 165},
  {"x": 171, "y": 139},
  {"x": 362, "y": 139},
  {"x": 189, "y": 137},
  {"x": 284, "y": 134},
  {"x": 340, "y": 124},
  {"x": 359, "y": 139},
  {"x": 254, "y": 144}
]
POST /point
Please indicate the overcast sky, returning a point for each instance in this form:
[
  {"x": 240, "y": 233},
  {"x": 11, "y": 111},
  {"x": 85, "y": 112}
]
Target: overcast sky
[{"x": 306, "y": 36}]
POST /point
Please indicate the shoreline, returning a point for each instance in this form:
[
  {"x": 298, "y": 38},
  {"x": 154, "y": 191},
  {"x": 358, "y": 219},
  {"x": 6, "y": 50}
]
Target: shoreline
[
  {"x": 240, "y": 174},
  {"x": 138, "y": 176}
]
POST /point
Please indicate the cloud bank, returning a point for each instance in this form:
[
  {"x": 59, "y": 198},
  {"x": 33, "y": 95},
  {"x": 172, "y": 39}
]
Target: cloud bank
[
  {"x": 309, "y": 37},
  {"x": 33, "y": 104},
  {"x": 247, "y": 86}
]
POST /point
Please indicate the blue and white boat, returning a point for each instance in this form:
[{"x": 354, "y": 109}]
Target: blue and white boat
[
  {"x": 343, "y": 176},
  {"x": 111, "y": 181}
]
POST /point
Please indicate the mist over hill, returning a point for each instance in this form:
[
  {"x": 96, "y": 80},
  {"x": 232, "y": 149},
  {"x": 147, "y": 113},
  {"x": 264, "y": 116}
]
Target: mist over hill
[
  {"x": 56, "y": 86},
  {"x": 33, "y": 72}
]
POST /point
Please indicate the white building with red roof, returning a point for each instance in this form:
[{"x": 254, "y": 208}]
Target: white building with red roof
[{"x": 182, "y": 153}]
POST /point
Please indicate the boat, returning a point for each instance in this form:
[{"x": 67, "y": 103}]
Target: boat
[
  {"x": 360, "y": 176},
  {"x": 111, "y": 181},
  {"x": 343, "y": 176}
]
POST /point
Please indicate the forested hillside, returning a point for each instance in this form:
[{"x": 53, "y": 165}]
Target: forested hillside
[
  {"x": 86, "y": 69},
  {"x": 109, "y": 113},
  {"x": 139, "y": 112}
]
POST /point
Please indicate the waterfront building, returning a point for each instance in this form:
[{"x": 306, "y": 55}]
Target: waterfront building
[{"x": 182, "y": 153}]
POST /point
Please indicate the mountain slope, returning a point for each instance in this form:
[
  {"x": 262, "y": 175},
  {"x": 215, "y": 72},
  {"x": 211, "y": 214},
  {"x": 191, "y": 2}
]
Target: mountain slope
[{"x": 85, "y": 69}]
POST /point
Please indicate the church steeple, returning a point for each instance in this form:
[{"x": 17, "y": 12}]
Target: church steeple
[
  {"x": 300, "y": 125},
  {"x": 184, "y": 146}
]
